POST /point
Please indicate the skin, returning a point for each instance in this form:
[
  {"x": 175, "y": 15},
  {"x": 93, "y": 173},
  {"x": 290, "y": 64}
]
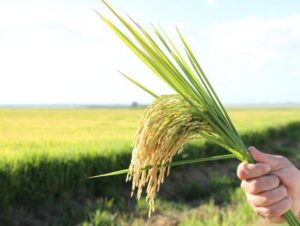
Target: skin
[{"x": 272, "y": 185}]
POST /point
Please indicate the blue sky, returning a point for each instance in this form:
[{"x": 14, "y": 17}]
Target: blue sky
[{"x": 60, "y": 52}]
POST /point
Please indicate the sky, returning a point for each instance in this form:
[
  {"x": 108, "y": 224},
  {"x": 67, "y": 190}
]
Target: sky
[{"x": 60, "y": 52}]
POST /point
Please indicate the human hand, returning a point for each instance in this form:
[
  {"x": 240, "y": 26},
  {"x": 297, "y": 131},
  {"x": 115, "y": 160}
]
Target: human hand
[{"x": 272, "y": 185}]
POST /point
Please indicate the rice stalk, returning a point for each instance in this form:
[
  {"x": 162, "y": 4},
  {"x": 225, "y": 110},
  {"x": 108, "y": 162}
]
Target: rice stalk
[{"x": 171, "y": 120}]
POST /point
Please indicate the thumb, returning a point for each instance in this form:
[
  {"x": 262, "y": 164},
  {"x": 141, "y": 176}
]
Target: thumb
[
  {"x": 258, "y": 155},
  {"x": 261, "y": 157}
]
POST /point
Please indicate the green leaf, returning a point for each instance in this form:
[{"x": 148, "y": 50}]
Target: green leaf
[
  {"x": 177, "y": 163},
  {"x": 140, "y": 85}
]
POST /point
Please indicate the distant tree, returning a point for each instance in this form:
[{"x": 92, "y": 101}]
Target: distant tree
[{"x": 134, "y": 104}]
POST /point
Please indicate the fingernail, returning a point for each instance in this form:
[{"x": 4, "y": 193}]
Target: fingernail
[{"x": 251, "y": 148}]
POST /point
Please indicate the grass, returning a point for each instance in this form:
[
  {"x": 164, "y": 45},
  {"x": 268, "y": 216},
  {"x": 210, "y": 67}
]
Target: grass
[
  {"x": 46, "y": 156},
  {"x": 237, "y": 212}
]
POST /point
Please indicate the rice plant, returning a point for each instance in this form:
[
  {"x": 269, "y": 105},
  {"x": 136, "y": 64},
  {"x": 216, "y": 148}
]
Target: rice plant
[{"x": 193, "y": 111}]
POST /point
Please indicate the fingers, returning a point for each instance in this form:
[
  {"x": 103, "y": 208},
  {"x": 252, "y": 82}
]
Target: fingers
[
  {"x": 275, "y": 161},
  {"x": 276, "y": 210},
  {"x": 267, "y": 198},
  {"x": 258, "y": 155},
  {"x": 248, "y": 171},
  {"x": 260, "y": 184},
  {"x": 268, "y": 184}
]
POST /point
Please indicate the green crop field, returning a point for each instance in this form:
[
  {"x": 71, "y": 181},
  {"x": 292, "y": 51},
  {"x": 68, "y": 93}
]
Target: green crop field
[
  {"x": 104, "y": 130},
  {"x": 47, "y": 154}
]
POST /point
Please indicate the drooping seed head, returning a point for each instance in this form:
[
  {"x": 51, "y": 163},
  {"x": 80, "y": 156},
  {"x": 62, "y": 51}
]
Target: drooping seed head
[{"x": 166, "y": 125}]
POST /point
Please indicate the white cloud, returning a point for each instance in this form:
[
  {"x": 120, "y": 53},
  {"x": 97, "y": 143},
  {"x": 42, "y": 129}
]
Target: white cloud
[
  {"x": 54, "y": 55},
  {"x": 211, "y": 2},
  {"x": 252, "y": 52}
]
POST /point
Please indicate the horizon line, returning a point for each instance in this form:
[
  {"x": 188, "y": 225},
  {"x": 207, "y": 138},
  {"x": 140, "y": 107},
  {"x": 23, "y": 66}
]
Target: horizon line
[{"x": 137, "y": 105}]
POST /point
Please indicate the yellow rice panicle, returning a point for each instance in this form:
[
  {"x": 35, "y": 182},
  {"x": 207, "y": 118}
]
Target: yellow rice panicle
[{"x": 166, "y": 125}]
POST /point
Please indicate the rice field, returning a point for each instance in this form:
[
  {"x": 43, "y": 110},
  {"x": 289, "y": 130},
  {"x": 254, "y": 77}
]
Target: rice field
[
  {"x": 47, "y": 154},
  {"x": 102, "y": 130}
]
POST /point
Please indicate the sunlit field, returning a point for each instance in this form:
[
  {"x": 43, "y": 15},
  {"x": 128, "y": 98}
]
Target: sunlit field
[
  {"x": 102, "y": 130},
  {"x": 47, "y": 154}
]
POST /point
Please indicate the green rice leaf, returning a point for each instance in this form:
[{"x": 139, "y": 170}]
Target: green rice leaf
[
  {"x": 177, "y": 163},
  {"x": 140, "y": 85}
]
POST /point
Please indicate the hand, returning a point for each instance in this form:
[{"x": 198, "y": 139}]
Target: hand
[{"x": 272, "y": 185}]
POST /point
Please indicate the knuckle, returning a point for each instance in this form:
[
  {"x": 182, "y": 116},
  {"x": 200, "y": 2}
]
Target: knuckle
[
  {"x": 282, "y": 159},
  {"x": 279, "y": 209},
  {"x": 288, "y": 202},
  {"x": 264, "y": 201},
  {"x": 254, "y": 186},
  {"x": 282, "y": 190},
  {"x": 259, "y": 170},
  {"x": 262, "y": 169},
  {"x": 272, "y": 212},
  {"x": 275, "y": 180}
]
